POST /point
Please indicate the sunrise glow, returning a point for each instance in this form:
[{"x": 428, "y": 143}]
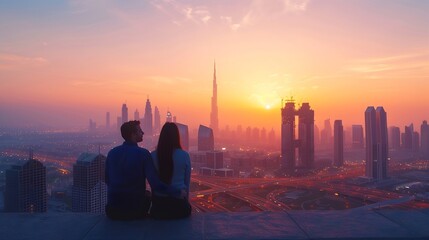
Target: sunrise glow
[{"x": 66, "y": 62}]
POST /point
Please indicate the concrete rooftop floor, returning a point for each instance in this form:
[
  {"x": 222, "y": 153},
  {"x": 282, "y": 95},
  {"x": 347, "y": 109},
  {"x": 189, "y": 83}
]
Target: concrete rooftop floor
[{"x": 347, "y": 224}]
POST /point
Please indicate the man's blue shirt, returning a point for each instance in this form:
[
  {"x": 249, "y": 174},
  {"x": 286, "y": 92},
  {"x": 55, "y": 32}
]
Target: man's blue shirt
[{"x": 127, "y": 168}]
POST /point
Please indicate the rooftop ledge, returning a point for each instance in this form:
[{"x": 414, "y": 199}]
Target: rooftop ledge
[{"x": 355, "y": 223}]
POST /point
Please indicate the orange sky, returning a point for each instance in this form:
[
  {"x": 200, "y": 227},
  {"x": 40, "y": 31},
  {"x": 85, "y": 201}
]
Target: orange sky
[{"x": 74, "y": 60}]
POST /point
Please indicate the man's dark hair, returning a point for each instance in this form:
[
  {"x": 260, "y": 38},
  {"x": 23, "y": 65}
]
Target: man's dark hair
[{"x": 128, "y": 128}]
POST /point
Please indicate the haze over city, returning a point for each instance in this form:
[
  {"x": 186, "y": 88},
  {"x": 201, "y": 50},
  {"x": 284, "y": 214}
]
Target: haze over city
[
  {"x": 257, "y": 119},
  {"x": 64, "y": 62}
]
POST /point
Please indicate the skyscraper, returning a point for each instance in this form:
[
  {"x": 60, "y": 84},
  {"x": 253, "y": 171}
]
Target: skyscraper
[
  {"x": 272, "y": 136},
  {"x": 424, "y": 143},
  {"x": 376, "y": 143},
  {"x": 169, "y": 117},
  {"x": 156, "y": 121},
  {"x": 326, "y": 134},
  {"x": 137, "y": 115},
  {"x": 92, "y": 126},
  {"x": 255, "y": 135},
  {"x": 118, "y": 122},
  {"x": 416, "y": 142},
  {"x": 407, "y": 137},
  {"x": 306, "y": 135},
  {"x": 316, "y": 136},
  {"x": 25, "y": 189},
  {"x": 214, "y": 123},
  {"x": 248, "y": 135},
  {"x": 107, "y": 120},
  {"x": 124, "y": 113},
  {"x": 264, "y": 135},
  {"x": 357, "y": 136},
  {"x": 338, "y": 143},
  {"x": 205, "y": 139},
  {"x": 288, "y": 135},
  {"x": 184, "y": 135},
  {"x": 89, "y": 187},
  {"x": 394, "y": 138},
  {"x": 305, "y": 141},
  {"x": 148, "y": 120}
]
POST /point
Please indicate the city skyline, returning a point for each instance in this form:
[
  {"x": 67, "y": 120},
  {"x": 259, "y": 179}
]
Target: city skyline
[{"x": 72, "y": 61}]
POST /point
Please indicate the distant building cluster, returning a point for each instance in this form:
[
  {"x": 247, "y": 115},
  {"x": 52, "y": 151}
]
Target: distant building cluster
[
  {"x": 150, "y": 121},
  {"x": 252, "y": 137},
  {"x": 410, "y": 140}
]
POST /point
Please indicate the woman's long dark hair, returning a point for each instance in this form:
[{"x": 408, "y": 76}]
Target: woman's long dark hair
[{"x": 169, "y": 139}]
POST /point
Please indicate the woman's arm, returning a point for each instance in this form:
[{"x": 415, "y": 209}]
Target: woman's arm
[
  {"x": 187, "y": 174},
  {"x": 155, "y": 183}
]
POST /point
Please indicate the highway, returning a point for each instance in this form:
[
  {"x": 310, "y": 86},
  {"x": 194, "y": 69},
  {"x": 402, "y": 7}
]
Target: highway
[{"x": 332, "y": 188}]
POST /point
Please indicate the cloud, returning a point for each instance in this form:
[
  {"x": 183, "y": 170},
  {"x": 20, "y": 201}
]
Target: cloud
[
  {"x": 295, "y": 5},
  {"x": 419, "y": 55},
  {"x": 13, "y": 61},
  {"x": 89, "y": 83},
  {"x": 234, "y": 26},
  {"x": 197, "y": 14},
  {"x": 283, "y": 6},
  {"x": 244, "y": 14},
  {"x": 180, "y": 12},
  {"x": 370, "y": 68},
  {"x": 403, "y": 62},
  {"x": 169, "y": 80},
  {"x": 260, "y": 9}
]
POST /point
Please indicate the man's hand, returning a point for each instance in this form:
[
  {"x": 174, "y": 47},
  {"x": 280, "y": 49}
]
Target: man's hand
[{"x": 183, "y": 193}]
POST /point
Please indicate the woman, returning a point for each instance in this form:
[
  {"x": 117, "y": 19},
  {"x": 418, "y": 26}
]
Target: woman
[{"x": 174, "y": 169}]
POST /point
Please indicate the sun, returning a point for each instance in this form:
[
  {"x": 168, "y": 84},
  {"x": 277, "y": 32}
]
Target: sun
[{"x": 267, "y": 107}]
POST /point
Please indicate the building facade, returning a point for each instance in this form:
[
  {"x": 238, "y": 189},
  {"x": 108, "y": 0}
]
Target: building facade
[
  {"x": 214, "y": 120},
  {"x": 107, "y": 120},
  {"x": 124, "y": 111},
  {"x": 305, "y": 141},
  {"x": 376, "y": 143},
  {"x": 89, "y": 187},
  {"x": 148, "y": 119},
  {"x": 137, "y": 115},
  {"x": 338, "y": 143},
  {"x": 424, "y": 143},
  {"x": 394, "y": 138},
  {"x": 205, "y": 139},
  {"x": 407, "y": 137},
  {"x": 156, "y": 121},
  {"x": 184, "y": 136},
  {"x": 25, "y": 189},
  {"x": 357, "y": 136}
]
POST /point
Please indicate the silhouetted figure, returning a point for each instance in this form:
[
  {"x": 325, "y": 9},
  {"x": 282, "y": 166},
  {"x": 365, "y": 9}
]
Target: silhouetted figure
[
  {"x": 174, "y": 168},
  {"x": 127, "y": 167}
]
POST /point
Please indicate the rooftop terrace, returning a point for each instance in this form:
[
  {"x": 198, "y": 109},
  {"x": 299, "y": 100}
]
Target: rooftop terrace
[{"x": 360, "y": 223}]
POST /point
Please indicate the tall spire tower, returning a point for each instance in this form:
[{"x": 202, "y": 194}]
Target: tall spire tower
[{"x": 214, "y": 123}]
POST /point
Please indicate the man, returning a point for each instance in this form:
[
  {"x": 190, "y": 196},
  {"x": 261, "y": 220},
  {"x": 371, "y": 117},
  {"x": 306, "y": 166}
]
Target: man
[{"x": 127, "y": 167}]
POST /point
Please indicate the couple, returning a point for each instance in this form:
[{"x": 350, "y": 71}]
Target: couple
[{"x": 168, "y": 171}]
